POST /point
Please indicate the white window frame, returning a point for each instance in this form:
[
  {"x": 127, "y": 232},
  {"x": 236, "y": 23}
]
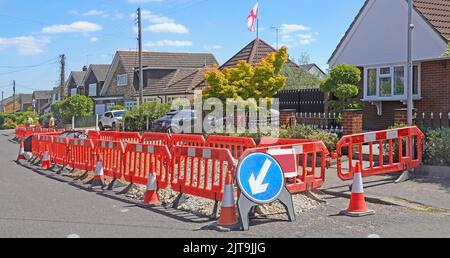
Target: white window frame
[
  {"x": 122, "y": 80},
  {"x": 129, "y": 105},
  {"x": 393, "y": 97},
  {"x": 72, "y": 90},
  {"x": 89, "y": 90}
]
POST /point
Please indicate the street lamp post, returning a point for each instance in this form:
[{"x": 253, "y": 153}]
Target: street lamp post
[{"x": 409, "y": 73}]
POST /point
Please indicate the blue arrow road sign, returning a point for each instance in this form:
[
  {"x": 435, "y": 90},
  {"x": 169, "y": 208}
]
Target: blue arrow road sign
[{"x": 260, "y": 178}]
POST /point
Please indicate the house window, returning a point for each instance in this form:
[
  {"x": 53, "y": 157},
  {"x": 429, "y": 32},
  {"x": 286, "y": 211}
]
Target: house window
[
  {"x": 130, "y": 105},
  {"x": 73, "y": 91},
  {"x": 109, "y": 106},
  {"x": 389, "y": 83},
  {"x": 122, "y": 80},
  {"x": 372, "y": 82},
  {"x": 92, "y": 90}
]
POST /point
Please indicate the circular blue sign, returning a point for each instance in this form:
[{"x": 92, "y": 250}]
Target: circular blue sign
[{"x": 260, "y": 178}]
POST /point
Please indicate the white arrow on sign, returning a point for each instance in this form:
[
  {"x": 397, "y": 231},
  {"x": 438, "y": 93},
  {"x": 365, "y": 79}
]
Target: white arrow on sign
[{"x": 256, "y": 185}]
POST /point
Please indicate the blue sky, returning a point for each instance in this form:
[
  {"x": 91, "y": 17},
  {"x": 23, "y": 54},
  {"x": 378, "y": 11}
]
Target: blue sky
[{"x": 34, "y": 33}]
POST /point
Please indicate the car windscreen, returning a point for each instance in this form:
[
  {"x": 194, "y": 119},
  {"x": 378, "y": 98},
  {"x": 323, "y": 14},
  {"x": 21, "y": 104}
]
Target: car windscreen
[{"x": 119, "y": 114}]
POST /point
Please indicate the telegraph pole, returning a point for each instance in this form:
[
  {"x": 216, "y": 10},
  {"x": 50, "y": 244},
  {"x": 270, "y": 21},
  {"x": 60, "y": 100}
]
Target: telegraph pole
[
  {"x": 14, "y": 96},
  {"x": 409, "y": 73},
  {"x": 141, "y": 73},
  {"x": 62, "y": 76}
]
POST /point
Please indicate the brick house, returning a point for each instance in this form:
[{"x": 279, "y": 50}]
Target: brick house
[
  {"x": 252, "y": 53},
  {"x": 18, "y": 104},
  {"x": 42, "y": 100},
  {"x": 93, "y": 82},
  {"x": 166, "y": 76},
  {"x": 376, "y": 42},
  {"x": 74, "y": 84}
]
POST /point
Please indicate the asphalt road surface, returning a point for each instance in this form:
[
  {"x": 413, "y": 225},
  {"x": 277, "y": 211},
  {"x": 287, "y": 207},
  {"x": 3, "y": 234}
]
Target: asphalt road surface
[{"x": 33, "y": 205}]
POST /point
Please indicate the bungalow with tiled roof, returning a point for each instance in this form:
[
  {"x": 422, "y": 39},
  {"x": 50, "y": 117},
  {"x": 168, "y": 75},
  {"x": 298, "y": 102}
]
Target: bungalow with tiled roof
[
  {"x": 166, "y": 76},
  {"x": 376, "y": 42}
]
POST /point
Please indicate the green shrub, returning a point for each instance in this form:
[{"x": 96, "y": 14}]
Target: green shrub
[
  {"x": 437, "y": 148},
  {"x": 309, "y": 133},
  {"x": 8, "y": 124},
  {"x": 118, "y": 107},
  {"x": 136, "y": 119}
]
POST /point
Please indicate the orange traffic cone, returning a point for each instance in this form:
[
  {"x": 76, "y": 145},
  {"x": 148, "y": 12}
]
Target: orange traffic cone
[
  {"x": 46, "y": 163},
  {"x": 21, "y": 155},
  {"x": 357, "y": 207},
  {"x": 99, "y": 176},
  {"x": 228, "y": 215},
  {"x": 151, "y": 195}
]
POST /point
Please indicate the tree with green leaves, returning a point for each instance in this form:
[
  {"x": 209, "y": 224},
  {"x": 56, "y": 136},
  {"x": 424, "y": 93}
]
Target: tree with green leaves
[
  {"x": 298, "y": 78},
  {"x": 343, "y": 84},
  {"x": 264, "y": 80},
  {"x": 75, "y": 106}
]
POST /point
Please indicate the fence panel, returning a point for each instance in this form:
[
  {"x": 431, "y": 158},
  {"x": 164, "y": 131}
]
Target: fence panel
[
  {"x": 433, "y": 120},
  {"x": 201, "y": 171},
  {"x": 191, "y": 140},
  {"x": 142, "y": 159},
  {"x": 156, "y": 138},
  {"x": 236, "y": 145},
  {"x": 306, "y": 100},
  {"x": 82, "y": 155},
  {"x": 111, "y": 153},
  {"x": 60, "y": 151},
  {"x": 397, "y": 150}
]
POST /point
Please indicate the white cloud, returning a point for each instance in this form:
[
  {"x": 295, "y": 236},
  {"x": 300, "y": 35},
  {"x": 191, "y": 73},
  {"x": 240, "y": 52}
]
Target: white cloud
[
  {"x": 289, "y": 28},
  {"x": 214, "y": 47},
  {"x": 168, "y": 28},
  {"x": 26, "y": 45},
  {"x": 80, "y": 26},
  {"x": 93, "y": 39},
  {"x": 306, "y": 39},
  {"x": 161, "y": 23},
  {"x": 169, "y": 43},
  {"x": 73, "y": 12},
  {"x": 96, "y": 13}
]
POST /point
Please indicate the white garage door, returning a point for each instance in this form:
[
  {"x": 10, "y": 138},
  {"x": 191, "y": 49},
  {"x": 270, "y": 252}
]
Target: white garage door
[{"x": 100, "y": 109}]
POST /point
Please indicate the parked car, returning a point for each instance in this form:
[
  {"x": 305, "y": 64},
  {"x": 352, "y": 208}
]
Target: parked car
[
  {"x": 174, "y": 121},
  {"x": 111, "y": 120}
]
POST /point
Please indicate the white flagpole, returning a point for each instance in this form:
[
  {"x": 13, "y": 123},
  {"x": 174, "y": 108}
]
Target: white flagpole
[{"x": 257, "y": 21}]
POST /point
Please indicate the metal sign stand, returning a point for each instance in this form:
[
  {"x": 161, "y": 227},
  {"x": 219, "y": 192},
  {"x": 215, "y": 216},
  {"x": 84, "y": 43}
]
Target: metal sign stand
[{"x": 245, "y": 205}]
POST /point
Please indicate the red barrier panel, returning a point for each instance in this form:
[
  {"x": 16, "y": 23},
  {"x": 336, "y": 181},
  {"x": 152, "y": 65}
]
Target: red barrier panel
[
  {"x": 127, "y": 137},
  {"x": 236, "y": 145},
  {"x": 306, "y": 164},
  {"x": 201, "y": 171},
  {"x": 107, "y": 136},
  {"x": 60, "y": 151},
  {"x": 191, "y": 140},
  {"x": 82, "y": 154},
  {"x": 45, "y": 144},
  {"x": 363, "y": 145},
  {"x": 93, "y": 135},
  {"x": 20, "y": 132},
  {"x": 142, "y": 159},
  {"x": 267, "y": 141},
  {"x": 156, "y": 138},
  {"x": 112, "y": 157},
  {"x": 35, "y": 150}
]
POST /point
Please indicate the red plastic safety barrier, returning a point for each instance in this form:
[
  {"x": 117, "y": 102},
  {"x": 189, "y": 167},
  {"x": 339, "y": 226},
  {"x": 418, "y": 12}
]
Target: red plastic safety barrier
[
  {"x": 20, "y": 132},
  {"x": 156, "y": 138},
  {"x": 408, "y": 142},
  {"x": 236, "y": 145},
  {"x": 201, "y": 171},
  {"x": 305, "y": 163},
  {"x": 93, "y": 135},
  {"x": 35, "y": 146},
  {"x": 191, "y": 140},
  {"x": 82, "y": 154},
  {"x": 142, "y": 159},
  {"x": 45, "y": 143},
  {"x": 107, "y": 136},
  {"x": 127, "y": 137},
  {"x": 267, "y": 141},
  {"x": 60, "y": 151},
  {"x": 112, "y": 156}
]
